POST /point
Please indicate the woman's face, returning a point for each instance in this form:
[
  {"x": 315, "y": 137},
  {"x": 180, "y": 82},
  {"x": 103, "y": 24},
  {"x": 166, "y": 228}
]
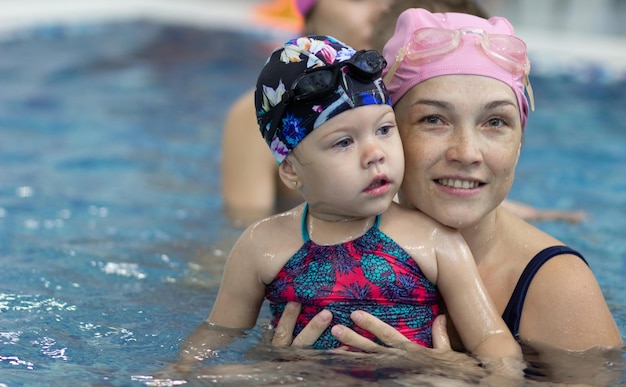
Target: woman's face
[
  {"x": 351, "y": 21},
  {"x": 461, "y": 135}
]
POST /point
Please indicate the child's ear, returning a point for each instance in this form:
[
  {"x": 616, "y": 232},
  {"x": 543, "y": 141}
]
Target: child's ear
[{"x": 288, "y": 174}]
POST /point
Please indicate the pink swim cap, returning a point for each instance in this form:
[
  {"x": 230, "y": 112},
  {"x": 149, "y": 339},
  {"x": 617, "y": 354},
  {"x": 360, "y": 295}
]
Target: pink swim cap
[
  {"x": 455, "y": 43},
  {"x": 304, "y": 6}
]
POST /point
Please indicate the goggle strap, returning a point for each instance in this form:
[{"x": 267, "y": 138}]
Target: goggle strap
[
  {"x": 276, "y": 120},
  {"x": 529, "y": 91},
  {"x": 394, "y": 67}
]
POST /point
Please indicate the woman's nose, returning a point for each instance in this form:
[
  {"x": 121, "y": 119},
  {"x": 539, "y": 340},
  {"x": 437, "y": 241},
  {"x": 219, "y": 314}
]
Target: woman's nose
[{"x": 465, "y": 149}]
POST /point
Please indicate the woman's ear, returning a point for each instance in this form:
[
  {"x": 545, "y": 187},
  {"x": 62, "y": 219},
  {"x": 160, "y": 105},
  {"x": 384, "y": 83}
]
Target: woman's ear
[{"x": 288, "y": 174}]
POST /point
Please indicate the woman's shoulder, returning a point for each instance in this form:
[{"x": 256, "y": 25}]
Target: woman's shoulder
[
  {"x": 562, "y": 292},
  {"x": 515, "y": 231},
  {"x": 523, "y": 247}
]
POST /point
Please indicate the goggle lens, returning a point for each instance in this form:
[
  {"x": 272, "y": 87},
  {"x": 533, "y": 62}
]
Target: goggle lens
[
  {"x": 313, "y": 84},
  {"x": 508, "y": 51},
  {"x": 368, "y": 64},
  {"x": 430, "y": 44},
  {"x": 365, "y": 65}
]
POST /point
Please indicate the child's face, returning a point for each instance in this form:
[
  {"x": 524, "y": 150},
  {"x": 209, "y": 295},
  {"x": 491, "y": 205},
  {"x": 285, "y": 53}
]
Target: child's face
[{"x": 353, "y": 164}]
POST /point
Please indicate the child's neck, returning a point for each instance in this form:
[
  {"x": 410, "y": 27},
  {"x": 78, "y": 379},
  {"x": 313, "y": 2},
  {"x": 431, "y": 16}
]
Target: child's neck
[{"x": 335, "y": 230}]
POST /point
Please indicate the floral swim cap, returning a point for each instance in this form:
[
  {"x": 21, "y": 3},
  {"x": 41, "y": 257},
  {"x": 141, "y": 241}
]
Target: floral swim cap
[{"x": 309, "y": 80}]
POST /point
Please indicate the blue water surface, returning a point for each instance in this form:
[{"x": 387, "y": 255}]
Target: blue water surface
[{"x": 112, "y": 232}]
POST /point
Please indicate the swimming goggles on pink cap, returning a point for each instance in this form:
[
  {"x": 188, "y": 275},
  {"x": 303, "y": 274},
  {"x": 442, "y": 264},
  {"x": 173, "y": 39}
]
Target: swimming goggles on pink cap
[{"x": 432, "y": 44}]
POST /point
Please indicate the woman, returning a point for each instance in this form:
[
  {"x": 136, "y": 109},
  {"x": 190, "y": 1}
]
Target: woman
[{"x": 461, "y": 112}]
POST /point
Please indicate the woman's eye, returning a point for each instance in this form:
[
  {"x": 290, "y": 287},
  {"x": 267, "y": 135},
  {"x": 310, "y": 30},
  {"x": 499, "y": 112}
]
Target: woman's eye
[
  {"x": 496, "y": 122},
  {"x": 433, "y": 120}
]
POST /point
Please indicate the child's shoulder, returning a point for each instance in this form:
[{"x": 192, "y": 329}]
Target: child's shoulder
[
  {"x": 275, "y": 230},
  {"x": 407, "y": 217},
  {"x": 402, "y": 223}
]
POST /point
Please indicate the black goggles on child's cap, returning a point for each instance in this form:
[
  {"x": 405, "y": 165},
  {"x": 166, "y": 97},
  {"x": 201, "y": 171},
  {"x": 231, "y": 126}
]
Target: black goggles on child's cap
[
  {"x": 326, "y": 77},
  {"x": 319, "y": 83}
]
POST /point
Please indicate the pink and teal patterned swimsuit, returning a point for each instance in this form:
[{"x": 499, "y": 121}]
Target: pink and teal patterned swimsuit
[{"x": 371, "y": 273}]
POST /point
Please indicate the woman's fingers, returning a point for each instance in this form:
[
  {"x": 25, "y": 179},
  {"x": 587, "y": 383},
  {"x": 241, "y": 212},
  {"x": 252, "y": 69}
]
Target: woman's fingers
[
  {"x": 313, "y": 330},
  {"x": 441, "y": 340},
  {"x": 352, "y": 339},
  {"x": 384, "y": 332},
  {"x": 283, "y": 332}
]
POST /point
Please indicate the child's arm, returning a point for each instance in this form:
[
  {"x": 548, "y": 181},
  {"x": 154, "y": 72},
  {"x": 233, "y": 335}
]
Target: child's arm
[
  {"x": 242, "y": 291},
  {"x": 479, "y": 325},
  {"x": 236, "y": 307}
]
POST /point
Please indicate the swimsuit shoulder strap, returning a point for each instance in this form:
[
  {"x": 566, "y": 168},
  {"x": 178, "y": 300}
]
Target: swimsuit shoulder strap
[
  {"x": 376, "y": 222},
  {"x": 513, "y": 312},
  {"x": 305, "y": 232}
]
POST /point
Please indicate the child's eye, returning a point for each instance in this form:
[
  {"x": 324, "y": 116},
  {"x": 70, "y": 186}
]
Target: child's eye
[
  {"x": 343, "y": 143},
  {"x": 384, "y": 130}
]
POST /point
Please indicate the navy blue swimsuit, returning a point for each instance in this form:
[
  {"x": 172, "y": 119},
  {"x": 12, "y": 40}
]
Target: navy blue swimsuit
[{"x": 513, "y": 312}]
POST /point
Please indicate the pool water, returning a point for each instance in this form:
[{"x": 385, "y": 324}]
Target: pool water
[{"x": 112, "y": 232}]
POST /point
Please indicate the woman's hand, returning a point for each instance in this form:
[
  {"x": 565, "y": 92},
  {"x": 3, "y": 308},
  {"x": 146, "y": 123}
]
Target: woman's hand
[
  {"x": 441, "y": 360},
  {"x": 388, "y": 335},
  {"x": 399, "y": 350},
  {"x": 283, "y": 333}
]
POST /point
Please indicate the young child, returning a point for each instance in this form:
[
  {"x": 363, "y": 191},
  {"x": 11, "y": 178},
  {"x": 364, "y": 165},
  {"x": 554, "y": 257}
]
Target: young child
[{"x": 325, "y": 113}]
